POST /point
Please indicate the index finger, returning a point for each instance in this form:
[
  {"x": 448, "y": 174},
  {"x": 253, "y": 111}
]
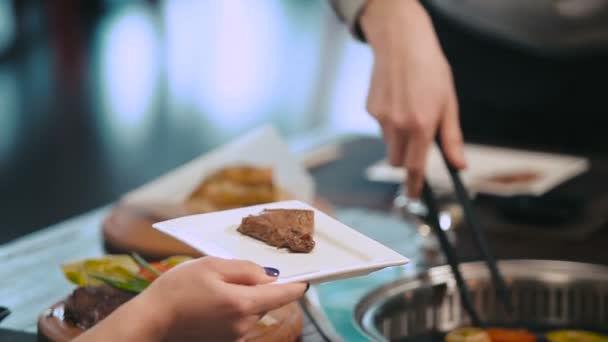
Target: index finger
[
  {"x": 415, "y": 163},
  {"x": 241, "y": 272},
  {"x": 451, "y": 134}
]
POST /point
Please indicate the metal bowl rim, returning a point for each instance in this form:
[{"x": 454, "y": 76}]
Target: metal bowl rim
[{"x": 376, "y": 298}]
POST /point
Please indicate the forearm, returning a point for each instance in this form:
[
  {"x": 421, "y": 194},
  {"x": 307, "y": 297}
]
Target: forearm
[
  {"x": 391, "y": 25},
  {"x": 133, "y": 321},
  {"x": 375, "y": 20}
]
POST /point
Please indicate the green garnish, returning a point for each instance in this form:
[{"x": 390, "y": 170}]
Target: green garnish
[
  {"x": 135, "y": 285},
  {"x": 144, "y": 264}
]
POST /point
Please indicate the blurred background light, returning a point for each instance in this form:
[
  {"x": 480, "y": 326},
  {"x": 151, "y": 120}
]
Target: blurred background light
[
  {"x": 129, "y": 64},
  {"x": 445, "y": 221},
  {"x": 9, "y": 114},
  {"x": 235, "y": 64},
  {"x": 183, "y": 28},
  {"x": 7, "y": 25},
  {"x": 239, "y": 67},
  {"x": 347, "y": 109}
]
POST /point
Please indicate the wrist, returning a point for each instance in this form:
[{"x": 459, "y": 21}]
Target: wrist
[
  {"x": 136, "y": 320},
  {"x": 151, "y": 323},
  {"x": 383, "y": 22}
]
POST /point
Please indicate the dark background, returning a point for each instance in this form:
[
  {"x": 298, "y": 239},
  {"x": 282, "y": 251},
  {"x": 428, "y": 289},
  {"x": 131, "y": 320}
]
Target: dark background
[{"x": 98, "y": 97}]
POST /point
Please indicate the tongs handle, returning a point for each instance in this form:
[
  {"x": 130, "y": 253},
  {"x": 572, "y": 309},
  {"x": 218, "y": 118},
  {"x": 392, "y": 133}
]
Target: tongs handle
[
  {"x": 478, "y": 234},
  {"x": 433, "y": 213},
  {"x": 4, "y": 312}
]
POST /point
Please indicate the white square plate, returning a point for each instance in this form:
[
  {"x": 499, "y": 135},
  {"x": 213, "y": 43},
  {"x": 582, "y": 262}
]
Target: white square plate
[
  {"x": 340, "y": 251},
  {"x": 485, "y": 162}
]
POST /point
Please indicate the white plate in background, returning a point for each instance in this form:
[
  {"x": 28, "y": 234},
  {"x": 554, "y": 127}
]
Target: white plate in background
[
  {"x": 487, "y": 162},
  {"x": 340, "y": 251},
  {"x": 262, "y": 147}
]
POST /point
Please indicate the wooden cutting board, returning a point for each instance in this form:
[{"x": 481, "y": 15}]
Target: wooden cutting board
[
  {"x": 287, "y": 324},
  {"x": 129, "y": 229}
]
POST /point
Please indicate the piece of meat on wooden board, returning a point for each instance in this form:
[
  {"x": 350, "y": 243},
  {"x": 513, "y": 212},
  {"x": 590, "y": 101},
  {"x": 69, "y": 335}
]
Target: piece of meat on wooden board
[
  {"x": 87, "y": 306},
  {"x": 282, "y": 228}
]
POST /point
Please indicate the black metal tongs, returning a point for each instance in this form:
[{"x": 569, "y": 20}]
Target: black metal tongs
[
  {"x": 473, "y": 222},
  {"x": 4, "y": 312}
]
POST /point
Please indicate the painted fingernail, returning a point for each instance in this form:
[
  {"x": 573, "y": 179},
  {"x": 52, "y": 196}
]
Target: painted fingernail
[
  {"x": 307, "y": 287},
  {"x": 271, "y": 271}
]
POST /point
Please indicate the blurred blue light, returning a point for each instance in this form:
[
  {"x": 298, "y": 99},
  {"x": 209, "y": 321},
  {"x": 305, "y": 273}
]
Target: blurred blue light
[
  {"x": 7, "y": 25},
  {"x": 129, "y": 66},
  {"x": 9, "y": 113},
  {"x": 226, "y": 55},
  {"x": 348, "y": 107},
  {"x": 445, "y": 221},
  {"x": 185, "y": 32}
]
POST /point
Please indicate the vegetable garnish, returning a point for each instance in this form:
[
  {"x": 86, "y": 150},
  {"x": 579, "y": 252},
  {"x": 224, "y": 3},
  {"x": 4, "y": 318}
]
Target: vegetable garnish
[
  {"x": 135, "y": 285},
  {"x": 145, "y": 265},
  {"x": 575, "y": 336},
  {"x": 129, "y": 273},
  {"x": 467, "y": 334},
  {"x": 510, "y": 335}
]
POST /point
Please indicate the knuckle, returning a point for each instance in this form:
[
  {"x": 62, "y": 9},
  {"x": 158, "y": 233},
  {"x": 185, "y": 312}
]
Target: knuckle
[
  {"x": 400, "y": 122},
  {"x": 370, "y": 107},
  {"x": 241, "y": 306},
  {"x": 377, "y": 112},
  {"x": 416, "y": 123},
  {"x": 408, "y": 121},
  {"x": 415, "y": 170},
  {"x": 427, "y": 133},
  {"x": 240, "y": 328},
  {"x": 232, "y": 303},
  {"x": 394, "y": 160}
]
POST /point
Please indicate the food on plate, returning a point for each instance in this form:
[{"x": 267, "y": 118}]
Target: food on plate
[
  {"x": 514, "y": 178},
  {"x": 106, "y": 283},
  {"x": 575, "y": 336},
  {"x": 87, "y": 306},
  {"x": 290, "y": 228},
  {"x": 510, "y": 335},
  {"x": 233, "y": 187},
  {"x": 467, "y": 334}
]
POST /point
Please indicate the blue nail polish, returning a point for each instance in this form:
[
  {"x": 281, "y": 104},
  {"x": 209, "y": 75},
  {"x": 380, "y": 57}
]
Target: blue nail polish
[{"x": 271, "y": 271}]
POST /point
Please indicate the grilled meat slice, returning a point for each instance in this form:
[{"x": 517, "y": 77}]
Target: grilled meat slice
[
  {"x": 87, "y": 306},
  {"x": 290, "y": 228},
  {"x": 235, "y": 186}
]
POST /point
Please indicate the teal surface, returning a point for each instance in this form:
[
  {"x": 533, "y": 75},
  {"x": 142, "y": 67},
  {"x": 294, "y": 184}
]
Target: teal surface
[{"x": 338, "y": 299}]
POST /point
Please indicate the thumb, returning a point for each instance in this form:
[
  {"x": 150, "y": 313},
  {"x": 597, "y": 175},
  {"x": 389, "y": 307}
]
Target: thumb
[{"x": 265, "y": 298}]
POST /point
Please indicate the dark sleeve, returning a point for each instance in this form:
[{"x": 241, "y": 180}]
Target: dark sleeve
[{"x": 349, "y": 11}]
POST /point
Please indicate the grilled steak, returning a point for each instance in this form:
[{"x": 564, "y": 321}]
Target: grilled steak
[
  {"x": 87, "y": 306},
  {"x": 290, "y": 228}
]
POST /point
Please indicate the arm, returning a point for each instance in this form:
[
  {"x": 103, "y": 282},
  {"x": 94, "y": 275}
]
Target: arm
[
  {"x": 133, "y": 321},
  {"x": 411, "y": 93},
  {"x": 210, "y": 298}
]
